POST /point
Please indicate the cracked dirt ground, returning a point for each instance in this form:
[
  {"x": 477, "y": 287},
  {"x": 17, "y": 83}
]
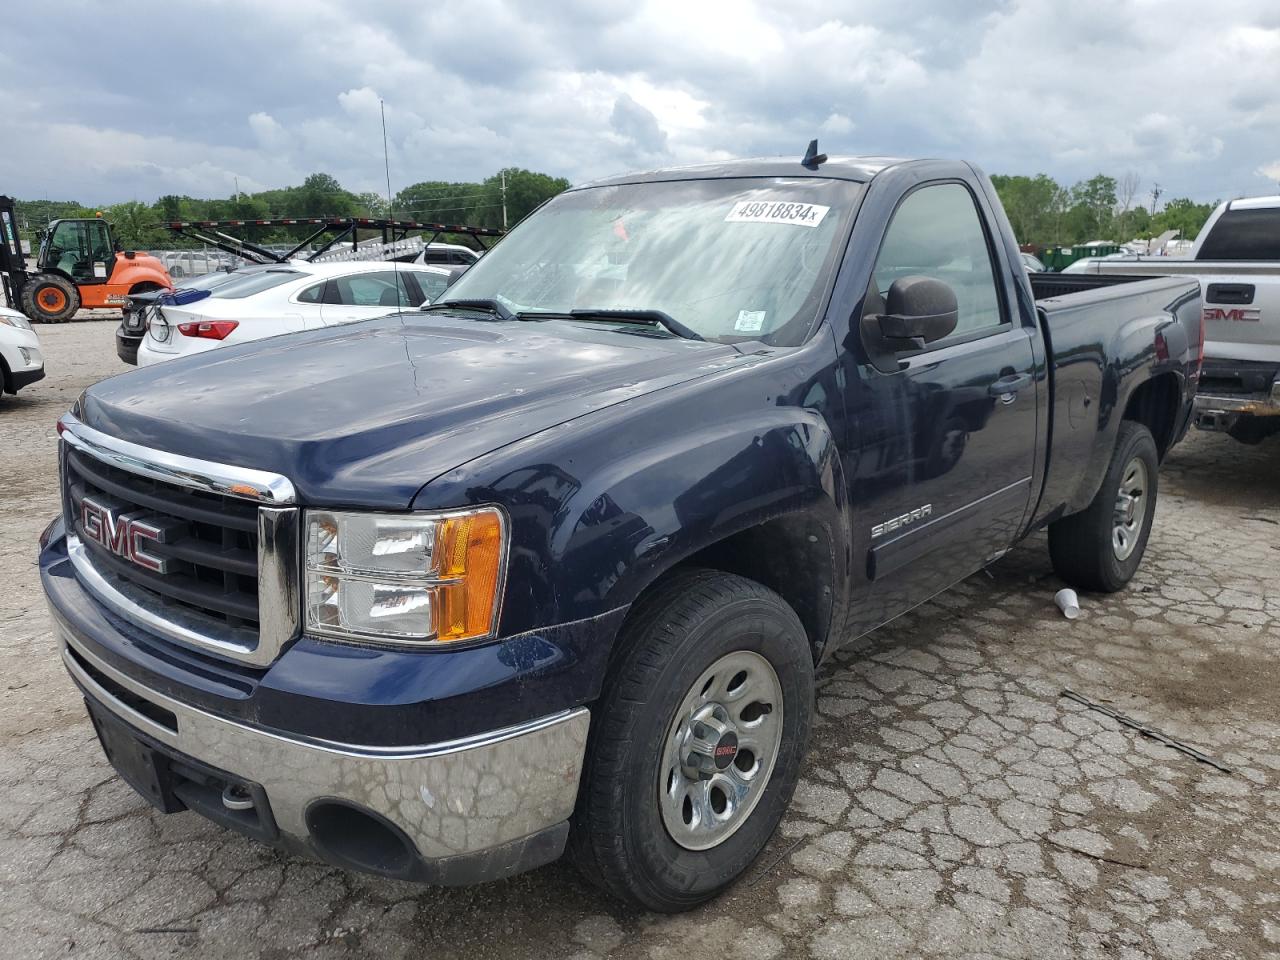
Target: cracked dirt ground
[{"x": 953, "y": 804}]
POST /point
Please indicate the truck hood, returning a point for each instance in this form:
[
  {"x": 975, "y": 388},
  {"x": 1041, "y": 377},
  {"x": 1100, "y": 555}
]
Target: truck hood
[{"x": 365, "y": 414}]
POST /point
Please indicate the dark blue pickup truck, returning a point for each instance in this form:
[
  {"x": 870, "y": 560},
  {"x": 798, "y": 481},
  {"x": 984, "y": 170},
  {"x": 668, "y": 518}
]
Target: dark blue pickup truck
[{"x": 550, "y": 565}]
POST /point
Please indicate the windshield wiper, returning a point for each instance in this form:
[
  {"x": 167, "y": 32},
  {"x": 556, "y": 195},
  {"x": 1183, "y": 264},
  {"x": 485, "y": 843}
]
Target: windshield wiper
[
  {"x": 496, "y": 307},
  {"x": 653, "y": 317}
]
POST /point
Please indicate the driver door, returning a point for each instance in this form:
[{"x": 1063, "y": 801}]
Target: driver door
[{"x": 942, "y": 477}]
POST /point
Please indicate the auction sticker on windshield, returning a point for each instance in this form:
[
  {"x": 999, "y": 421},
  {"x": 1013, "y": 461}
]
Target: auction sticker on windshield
[{"x": 777, "y": 211}]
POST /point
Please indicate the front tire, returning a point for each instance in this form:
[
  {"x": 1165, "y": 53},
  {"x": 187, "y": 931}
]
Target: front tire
[
  {"x": 697, "y": 741},
  {"x": 1101, "y": 548},
  {"x": 50, "y": 298}
]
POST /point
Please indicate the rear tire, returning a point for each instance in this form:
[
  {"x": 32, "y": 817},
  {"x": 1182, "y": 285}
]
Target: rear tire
[
  {"x": 711, "y": 696},
  {"x": 50, "y": 298},
  {"x": 1101, "y": 548}
]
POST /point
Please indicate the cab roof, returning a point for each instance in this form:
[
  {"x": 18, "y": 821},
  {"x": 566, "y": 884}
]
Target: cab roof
[{"x": 857, "y": 169}]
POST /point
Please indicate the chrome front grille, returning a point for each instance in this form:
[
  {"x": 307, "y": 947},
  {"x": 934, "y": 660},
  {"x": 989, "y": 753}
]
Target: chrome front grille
[
  {"x": 216, "y": 564},
  {"x": 209, "y": 555}
]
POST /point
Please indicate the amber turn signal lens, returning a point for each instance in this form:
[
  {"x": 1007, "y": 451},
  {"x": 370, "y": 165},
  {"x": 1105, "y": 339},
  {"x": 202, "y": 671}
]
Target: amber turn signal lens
[{"x": 469, "y": 549}]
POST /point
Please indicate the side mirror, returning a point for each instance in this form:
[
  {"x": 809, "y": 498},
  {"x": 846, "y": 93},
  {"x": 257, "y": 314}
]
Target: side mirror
[{"x": 918, "y": 311}]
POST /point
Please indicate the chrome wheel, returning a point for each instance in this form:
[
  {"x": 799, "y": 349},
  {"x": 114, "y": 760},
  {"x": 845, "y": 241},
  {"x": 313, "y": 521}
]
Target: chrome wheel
[
  {"x": 1131, "y": 508},
  {"x": 720, "y": 750}
]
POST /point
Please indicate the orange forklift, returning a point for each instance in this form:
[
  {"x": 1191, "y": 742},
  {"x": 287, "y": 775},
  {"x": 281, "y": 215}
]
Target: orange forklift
[{"x": 79, "y": 265}]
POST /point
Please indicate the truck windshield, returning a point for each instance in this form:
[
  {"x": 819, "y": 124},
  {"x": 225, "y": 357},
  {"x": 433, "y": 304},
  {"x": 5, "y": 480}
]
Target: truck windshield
[{"x": 732, "y": 259}]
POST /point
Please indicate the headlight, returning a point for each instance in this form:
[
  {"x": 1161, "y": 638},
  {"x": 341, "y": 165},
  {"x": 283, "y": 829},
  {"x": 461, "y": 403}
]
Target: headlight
[
  {"x": 405, "y": 577},
  {"x": 15, "y": 320},
  {"x": 158, "y": 326}
]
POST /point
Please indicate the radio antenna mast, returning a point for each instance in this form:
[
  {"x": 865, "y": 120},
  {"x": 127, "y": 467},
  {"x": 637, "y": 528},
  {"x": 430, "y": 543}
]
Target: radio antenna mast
[{"x": 386, "y": 162}]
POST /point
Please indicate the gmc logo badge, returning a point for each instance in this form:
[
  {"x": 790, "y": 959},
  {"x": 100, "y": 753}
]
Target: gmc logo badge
[
  {"x": 1236, "y": 314},
  {"x": 123, "y": 534}
]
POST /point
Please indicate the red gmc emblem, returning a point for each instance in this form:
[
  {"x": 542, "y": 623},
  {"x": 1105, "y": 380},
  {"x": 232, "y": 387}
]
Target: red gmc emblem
[
  {"x": 1236, "y": 314},
  {"x": 727, "y": 750},
  {"x": 123, "y": 534}
]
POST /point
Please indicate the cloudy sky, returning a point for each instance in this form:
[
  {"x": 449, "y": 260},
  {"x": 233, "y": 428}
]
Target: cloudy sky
[{"x": 105, "y": 102}]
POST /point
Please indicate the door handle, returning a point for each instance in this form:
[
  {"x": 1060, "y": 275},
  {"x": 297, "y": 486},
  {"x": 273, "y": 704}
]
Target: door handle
[{"x": 1006, "y": 388}]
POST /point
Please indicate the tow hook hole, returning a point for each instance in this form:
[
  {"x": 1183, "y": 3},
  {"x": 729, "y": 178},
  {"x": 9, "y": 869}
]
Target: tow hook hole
[
  {"x": 354, "y": 837},
  {"x": 236, "y": 797}
]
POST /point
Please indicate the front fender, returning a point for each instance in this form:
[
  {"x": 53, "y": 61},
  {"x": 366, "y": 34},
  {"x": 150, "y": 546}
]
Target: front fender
[
  {"x": 699, "y": 489},
  {"x": 604, "y": 505}
]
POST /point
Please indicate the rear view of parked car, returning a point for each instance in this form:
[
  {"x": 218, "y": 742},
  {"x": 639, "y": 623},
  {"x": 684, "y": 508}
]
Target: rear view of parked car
[
  {"x": 284, "y": 298},
  {"x": 138, "y": 306}
]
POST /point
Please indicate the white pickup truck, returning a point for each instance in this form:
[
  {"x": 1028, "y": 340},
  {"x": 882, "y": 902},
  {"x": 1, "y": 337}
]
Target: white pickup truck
[{"x": 1236, "y": 258}]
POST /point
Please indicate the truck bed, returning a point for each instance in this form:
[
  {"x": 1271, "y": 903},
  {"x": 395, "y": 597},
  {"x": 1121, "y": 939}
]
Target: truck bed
[
  {"x": 1047, "y": 285},
  {"x": 1133, "y": 312},
  {"x": 1180, "y": 266}
]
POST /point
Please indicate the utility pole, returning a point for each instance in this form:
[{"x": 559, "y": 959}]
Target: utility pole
[
  {"x": 504, "y": 199},
  {"x": 1155, "y": 195},
  {"x": 237, "y": 179}
]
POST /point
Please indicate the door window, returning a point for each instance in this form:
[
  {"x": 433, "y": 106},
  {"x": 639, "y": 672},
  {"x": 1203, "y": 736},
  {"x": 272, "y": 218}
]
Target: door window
[
  {"x": 69, "y": 249},
  {"x": 433, "y": 285},
  {"x": 313, "y": 294},
  {"x": 936, "y": 232},
  {"x": 101, "y": 253},
  {"x": 382, "y": 289}
]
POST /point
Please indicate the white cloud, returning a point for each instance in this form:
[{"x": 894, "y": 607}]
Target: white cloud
[{"x": 272, "y": 92}]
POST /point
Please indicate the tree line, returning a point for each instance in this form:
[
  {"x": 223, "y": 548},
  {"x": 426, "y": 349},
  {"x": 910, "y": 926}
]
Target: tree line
[
  {"x": 1042, "y": 211},
  {"x": 138, "y": 225},
  {"x": 1045, "y": 213}
]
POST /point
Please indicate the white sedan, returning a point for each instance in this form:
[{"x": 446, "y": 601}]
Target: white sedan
[
  {"x": 21, "y": 362},
  {"x": 284, "y": 298}
]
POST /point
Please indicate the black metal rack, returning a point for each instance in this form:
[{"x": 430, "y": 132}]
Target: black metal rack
[{"x": 212, "y": 232}]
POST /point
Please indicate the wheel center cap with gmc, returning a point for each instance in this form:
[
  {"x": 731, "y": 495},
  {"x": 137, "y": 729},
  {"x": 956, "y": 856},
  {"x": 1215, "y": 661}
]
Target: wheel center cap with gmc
[
  {"x": 713, "y": 742},
  {"x": 726, "y": 749}
]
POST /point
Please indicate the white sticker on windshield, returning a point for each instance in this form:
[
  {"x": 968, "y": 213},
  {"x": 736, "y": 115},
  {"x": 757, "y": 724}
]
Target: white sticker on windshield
[
  {"x": 749, "y": 321},
  {"x": 777, "y": 211}
]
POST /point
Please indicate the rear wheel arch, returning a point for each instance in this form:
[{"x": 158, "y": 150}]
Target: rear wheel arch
[{"x": 1155, "y": 404}]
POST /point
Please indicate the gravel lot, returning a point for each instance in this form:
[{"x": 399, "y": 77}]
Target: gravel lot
[{"x": 954, "y": 804}]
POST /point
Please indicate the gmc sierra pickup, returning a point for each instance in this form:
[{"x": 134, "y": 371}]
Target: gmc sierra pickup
[
  {"x": 1236, "y": 259},
  {"x": 551, "y": 564}
]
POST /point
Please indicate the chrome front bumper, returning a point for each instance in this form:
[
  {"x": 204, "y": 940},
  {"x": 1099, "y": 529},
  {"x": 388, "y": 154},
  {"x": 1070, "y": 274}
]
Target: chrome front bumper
[{"x": 453, "y": 801}]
